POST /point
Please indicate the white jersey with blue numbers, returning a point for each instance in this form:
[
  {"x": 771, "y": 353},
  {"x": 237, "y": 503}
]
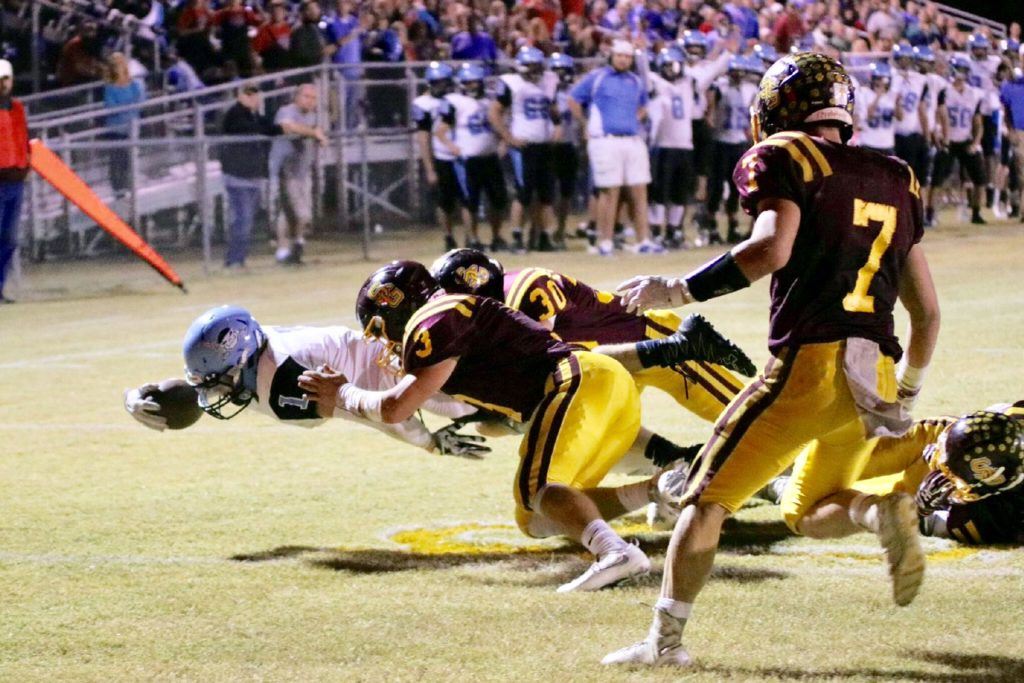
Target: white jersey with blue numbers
[
  {"x": 877, "y": 130},
  {"x": 961, "y": 108},
  {"x": 424, "y": 117},
  {"x": 912, "y": 89},
  {"x": 704, "y": 73},
  {"x": 672, "y": 110},
  {"x": 529, "y": 105},
  {"x": 570, "y": 126},
  {"x": 732, "y": 118},
  {"x": 293, "y": 350},
  {"x": 470, "y": 130}
]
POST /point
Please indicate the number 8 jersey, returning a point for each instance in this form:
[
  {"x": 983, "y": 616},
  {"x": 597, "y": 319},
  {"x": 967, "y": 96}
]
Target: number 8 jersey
[{"x": 860, "y": 216}]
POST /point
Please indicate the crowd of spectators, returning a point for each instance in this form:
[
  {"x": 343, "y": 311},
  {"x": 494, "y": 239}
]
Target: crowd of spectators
[{"x": 222, "y": 40}]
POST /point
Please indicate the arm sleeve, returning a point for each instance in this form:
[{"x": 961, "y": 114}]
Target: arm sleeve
[
  {"x": 503, "y": 94},
  {"x": 942, "y": 96},
  {"x": 767, "y": 171},
  {"x": 422, "y": 119},
  {"x": 446, "y": 112}
]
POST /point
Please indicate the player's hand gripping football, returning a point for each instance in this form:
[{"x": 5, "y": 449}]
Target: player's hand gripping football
[
  {"x": 645, "y": 292},
  {"x": 933, "y": 493},
  {"x": 144, "y": 409},
  {"x": 448, "y": 441},
  {"x": 322, "y": 387}
]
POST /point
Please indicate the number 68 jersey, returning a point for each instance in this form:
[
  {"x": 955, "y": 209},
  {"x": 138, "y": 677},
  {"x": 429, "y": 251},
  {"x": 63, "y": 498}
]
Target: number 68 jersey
[{"x": 860, "y": 216}]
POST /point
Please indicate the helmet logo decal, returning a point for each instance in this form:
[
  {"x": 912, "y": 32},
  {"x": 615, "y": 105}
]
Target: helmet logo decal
[
  {"x": 386, "y": 294},
  {"x": 986, "y": 473},
  {"x": 474, "y": 276},
  {"x": 840, "y": 94}
]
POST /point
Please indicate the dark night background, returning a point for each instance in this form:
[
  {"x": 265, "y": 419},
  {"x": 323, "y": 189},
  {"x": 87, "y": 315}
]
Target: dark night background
[{"x": 1005, "y": 11}]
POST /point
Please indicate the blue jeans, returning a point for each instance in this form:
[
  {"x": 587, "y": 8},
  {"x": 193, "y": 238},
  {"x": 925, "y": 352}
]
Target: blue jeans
[
  {"x": 243, "y": 202},
  {"x": 10, "y": 211}
]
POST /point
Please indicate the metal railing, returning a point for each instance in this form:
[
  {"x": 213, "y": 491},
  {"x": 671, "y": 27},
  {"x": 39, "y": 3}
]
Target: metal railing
[{"x": 971, "y": 21}]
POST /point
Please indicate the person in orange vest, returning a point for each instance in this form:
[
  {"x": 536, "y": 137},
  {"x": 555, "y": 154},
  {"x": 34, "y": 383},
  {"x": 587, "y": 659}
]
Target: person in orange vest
[{"x": 13, "y": 168}]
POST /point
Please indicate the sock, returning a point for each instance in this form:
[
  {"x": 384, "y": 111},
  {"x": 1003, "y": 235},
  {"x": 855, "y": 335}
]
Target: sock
[
  {"x": 517, "y": 233},
  {"x": 634, "y": 496},
  {"x": 670, "y": 617},
  {"x": 600, "y": 539},
  {"x": 864, "y": 512},
  {"x": 675, "y": 214}
]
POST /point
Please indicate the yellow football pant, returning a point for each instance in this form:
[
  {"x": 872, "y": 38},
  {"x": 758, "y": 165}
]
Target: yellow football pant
[
  {"x": 702, "y": 388},
  {"x": 799, "y": 411},
  {"x": 587, "y": 420},
  {"x": 896, "y": 464}
]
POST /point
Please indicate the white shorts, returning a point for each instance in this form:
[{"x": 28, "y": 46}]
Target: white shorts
[{"x": 615, "y": 162}]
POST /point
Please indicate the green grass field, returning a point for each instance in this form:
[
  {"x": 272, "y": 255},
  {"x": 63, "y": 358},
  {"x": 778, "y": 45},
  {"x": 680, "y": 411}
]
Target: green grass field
[{"x": 250, "y": 550}]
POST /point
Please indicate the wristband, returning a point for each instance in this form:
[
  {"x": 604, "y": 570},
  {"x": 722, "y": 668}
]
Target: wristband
[
  {"x": 360, "y": 402},
  {"x": 716, "y": 278},
  {"x": 908, "y": 378}
]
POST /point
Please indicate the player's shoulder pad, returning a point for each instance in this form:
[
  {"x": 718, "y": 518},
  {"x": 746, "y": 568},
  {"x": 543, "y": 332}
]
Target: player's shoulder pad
[
  {"x": 905, "y": 172},
  {"x": 787, "y": 151},
  {"x": 439, "y": 307},
  {"x": 524, "y": 281}
]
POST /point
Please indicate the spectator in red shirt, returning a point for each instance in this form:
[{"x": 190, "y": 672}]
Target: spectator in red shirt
[
  {"x": 79, "y": 60},
  {"x": 789, "y": 27},
  {"x": 194, "y": 35},
  {"x": 13, "y": 168},
  {"x": 233, "y": 22},
  {"x": 272, "y": 40}
]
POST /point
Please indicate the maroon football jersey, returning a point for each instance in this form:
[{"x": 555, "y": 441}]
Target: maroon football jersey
[
  {"x": 860, "y": 216},
  {"x": 504, "y": 358},
  {"x": 582, "y": 314}
]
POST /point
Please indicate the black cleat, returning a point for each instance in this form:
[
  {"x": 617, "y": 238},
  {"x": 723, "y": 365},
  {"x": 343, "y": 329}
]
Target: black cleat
[
  {"x": 976, "y": 219},
  {"x": 450, "y": 243},
  {"x": 699, "y": 341},
  {"x": 499, "y": 244},
  {"x": 517, "y": 243},
  {"x": 544, "y": 242}
]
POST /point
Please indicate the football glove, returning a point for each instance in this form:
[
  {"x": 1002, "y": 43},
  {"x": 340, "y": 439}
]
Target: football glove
[
  {"x": 933, "y": 494},
  {"x": 144, "y": 409},
  {"x": 448, "y": 441}
]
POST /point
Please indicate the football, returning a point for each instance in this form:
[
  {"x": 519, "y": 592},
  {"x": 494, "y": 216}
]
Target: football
[{"x": 179, "y": 403}]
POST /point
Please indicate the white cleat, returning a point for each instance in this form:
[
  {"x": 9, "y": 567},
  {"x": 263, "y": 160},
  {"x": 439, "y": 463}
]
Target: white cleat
[
  {"x": 615, "y": 566},
  {"x": 663, "y": 510},
  {"x": 647, "y": 653},
  {"x": 898, "y": 534}
]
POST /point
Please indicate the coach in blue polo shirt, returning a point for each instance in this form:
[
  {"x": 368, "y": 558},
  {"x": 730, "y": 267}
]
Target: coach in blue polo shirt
[
  {"x": 615, "y": 99},
  {"x": 1012, "y": 97}
]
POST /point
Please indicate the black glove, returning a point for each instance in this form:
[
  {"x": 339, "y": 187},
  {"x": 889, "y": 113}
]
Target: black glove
[{"x": 933, "y": 493}]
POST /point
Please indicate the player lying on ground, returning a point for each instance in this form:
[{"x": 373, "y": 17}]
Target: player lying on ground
[
  {"x": 582, "y": 409},
  {"x": 966, "y": 474},
  {"x": 837, "y": 229},
  {"x": 234, "y": 361}
]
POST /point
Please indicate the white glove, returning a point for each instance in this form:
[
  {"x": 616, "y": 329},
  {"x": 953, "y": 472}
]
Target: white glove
[
  {"x": 645, "y": 292},
  {"x": 144, "y": 409},
  {"x": 448, "y": 441},
  {"x": 909, "y": 381}
]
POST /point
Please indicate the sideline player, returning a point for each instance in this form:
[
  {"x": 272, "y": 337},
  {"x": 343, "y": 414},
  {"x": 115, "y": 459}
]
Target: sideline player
[
  {"x": 565, "y": 155},
  {"x": 837, "y": 229},
  {"x": 583, "y": 409},
  {"x": 960, "y": 114},
  {"x": 438, "y": 162},
  {"x": 527, "y": 98},
  {"x": 464, "y": 130},
  {"x": 912, "y": 125},
  {"x": 877, "y": 112},
  {"x": 234, "y": 361}
]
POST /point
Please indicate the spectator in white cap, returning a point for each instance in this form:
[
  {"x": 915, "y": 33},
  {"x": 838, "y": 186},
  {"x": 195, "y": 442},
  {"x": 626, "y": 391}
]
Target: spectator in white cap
[
  {"x": 14, "y": 154},
  {"x": 616, "y": 100}
]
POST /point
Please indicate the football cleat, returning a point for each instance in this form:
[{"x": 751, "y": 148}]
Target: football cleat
[
  {"x": 627, "y": 563},
  {"x": 647, "y": 653},
  {"x": 898, "y": 534},
  {"x": 699, "y": 341},
  {"x": 663, "y": 510}
]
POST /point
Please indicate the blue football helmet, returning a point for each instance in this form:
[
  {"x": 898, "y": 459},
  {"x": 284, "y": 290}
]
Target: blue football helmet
[
  {"x": 470, "y": 78},
  {"x": 530, "y": 63},
  {"x": 924, "y": 58},
  {"x": 670, "y": 63},
  {"x": 979, "y": 45},
  {"x": 1009, "y": 47},
  {"x": 695, "y": 44},
  {"x": 959, "y": 67},
  {"x": 564, "y": 66},
  {"x": 222, "y": 348},
  {"x": 439, "y": 78},
  {"x": 766, "y": 53},
  {"x": 902, "y": 55},
  {"x": 881, "y": 73}
]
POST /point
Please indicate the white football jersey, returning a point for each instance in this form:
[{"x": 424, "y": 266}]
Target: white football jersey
[
  {"x": 936, "y": 86},
  {"x": 961, "y": 107},
  {"x": 671, "y": 110},
  {"x": 293, "y": 350},
  {"x": 877, "y": 130},
  {"x": 470, "y": 128},
  {"x": 704, "y": 73},
  {"x": 424, "y": 116},
  {"x": 529, "y": 105},
  {"x": 912, "y": 89},
  {"x": 733, "y": 110}
]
